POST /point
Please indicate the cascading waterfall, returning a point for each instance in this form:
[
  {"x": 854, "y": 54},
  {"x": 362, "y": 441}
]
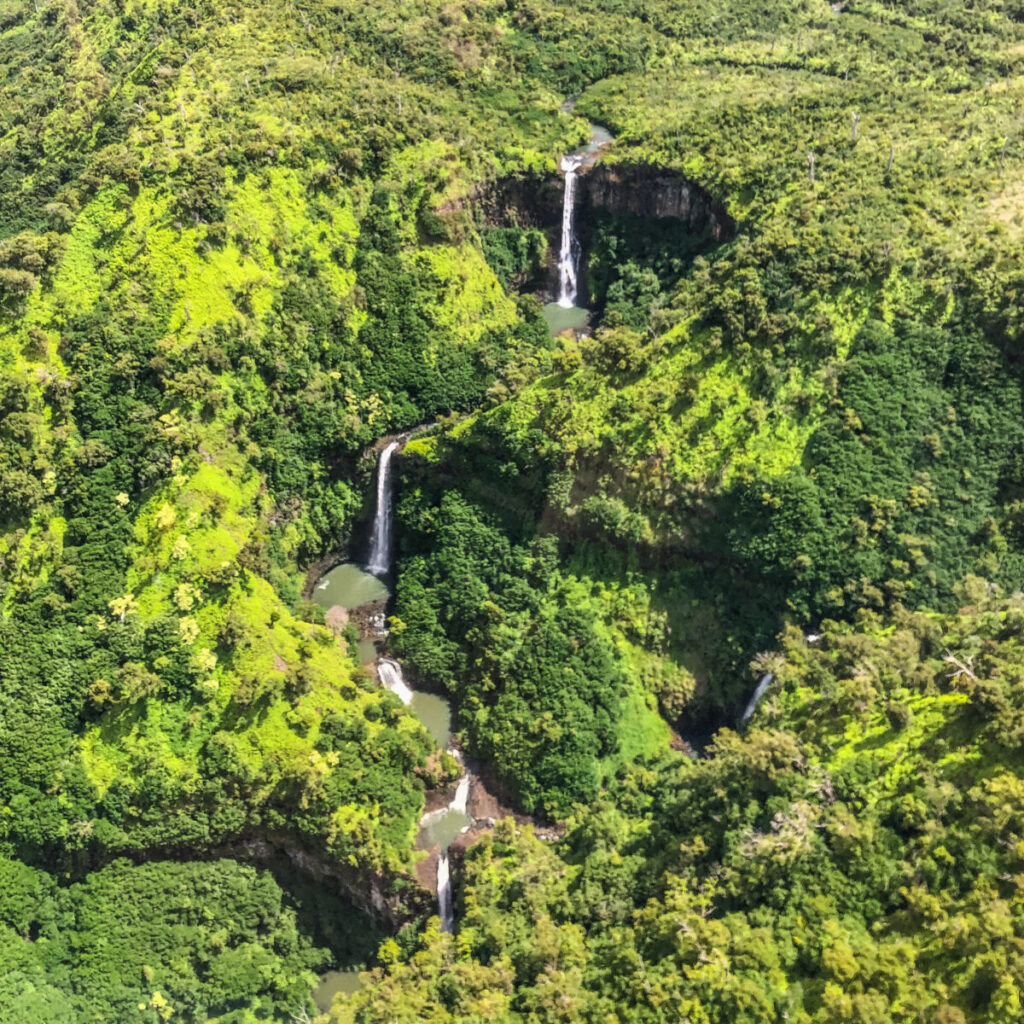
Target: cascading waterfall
[
  {"x": 762, "y": 686},
  {"x": 445, "y": 906},
  {"x": 449, "y": 821},
  {"x": 568, "y": 254},
  {"x": 390, "y": 674},
  {"x": 444, "y": 824},
  {"x": 380, "y": 545}
]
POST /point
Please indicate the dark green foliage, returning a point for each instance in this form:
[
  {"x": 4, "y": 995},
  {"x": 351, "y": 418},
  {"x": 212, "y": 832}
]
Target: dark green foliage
[
  {"x": 214, "y": 939},
  {"x": 632, "y": 261},
  {"x": 533, "y": 678},
  {"x": 516, "y": 255},
  {"x": 904, "y": 484},
  {"x": 833, "y": 883}
]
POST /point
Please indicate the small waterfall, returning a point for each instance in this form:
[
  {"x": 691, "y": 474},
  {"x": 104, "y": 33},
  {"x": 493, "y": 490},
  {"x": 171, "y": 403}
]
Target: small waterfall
[
  {"x": 567, "y": 256},
  {"x": 442, "y": 827},
  {"x": 390, "y": 674},
  {"x": 380, "y": 545},
  {"x": 763, "y": 684},
  {"x": 444, "y": 893},
  {"x": 461, "y": 798}
]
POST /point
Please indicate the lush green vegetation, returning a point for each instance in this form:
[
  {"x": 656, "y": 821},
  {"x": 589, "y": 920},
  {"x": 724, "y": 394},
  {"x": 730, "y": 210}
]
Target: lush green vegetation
[
  {"x": 855, "y": 856},
  {"x": 239, "y": 243},
  {"x": 199, "y": 941}
]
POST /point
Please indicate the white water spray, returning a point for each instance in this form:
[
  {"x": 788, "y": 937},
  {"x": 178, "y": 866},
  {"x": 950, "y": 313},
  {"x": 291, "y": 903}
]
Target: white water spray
[
  {"x": 444, "y": 893},
  {"x": 567, "y": 255},
  {"x": 390, "y": 674},
  {"x": 442, "y": 826},
  {"x": 458, "y": 804},
  {"x": 762, "y": 686},
  {"x": 461, "y": 798},
  {"x": 380, "y": 545}
]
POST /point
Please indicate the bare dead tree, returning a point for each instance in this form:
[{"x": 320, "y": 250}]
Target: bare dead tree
[
  {"x": 964, "y": 667},
  {"x": 856, "y": 120},
  {"x": 810, "y": 161},
  {"x": 892, "y": 156}
]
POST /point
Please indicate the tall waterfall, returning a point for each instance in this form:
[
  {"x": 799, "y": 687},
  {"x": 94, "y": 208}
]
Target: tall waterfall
[
  {"x": 567, "y": 255},
  {"x": 380, "y": 545},
  {"x": 444, "y": 893},
  {"x": 763, "y": 684}
]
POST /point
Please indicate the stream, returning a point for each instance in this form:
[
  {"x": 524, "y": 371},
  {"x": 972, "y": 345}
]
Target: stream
[
  {"x": 363, "y": 590},
  {"x": 352, "y": 588}
]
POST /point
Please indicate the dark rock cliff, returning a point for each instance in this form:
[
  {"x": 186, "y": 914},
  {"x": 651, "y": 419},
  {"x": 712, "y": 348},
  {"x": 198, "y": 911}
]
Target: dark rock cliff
[
  {"x": 640, "y": 190},
  {"x": 633, "y": 192}
]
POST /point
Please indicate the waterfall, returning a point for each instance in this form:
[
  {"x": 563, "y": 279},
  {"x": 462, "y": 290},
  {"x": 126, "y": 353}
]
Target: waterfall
[
  {"x": 762, "y": 686},
  {"x": 380, "y": 545},
  {"x": 461, "y": 798},
  {"x": 390, "y": 674},
  {"x": 567, "y": 256},
  {"x": 444, "y": 893},
  {"x": 444, "y": 883},
  {"x": 442, "y": 826}
]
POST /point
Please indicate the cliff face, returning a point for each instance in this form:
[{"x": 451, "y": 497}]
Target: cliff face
[
  {"x": 523, "y": 200},
  {"x": 640, "y": 190},
  {"x": 655, "y": 193},
  {"x": 636, "y": 192}
]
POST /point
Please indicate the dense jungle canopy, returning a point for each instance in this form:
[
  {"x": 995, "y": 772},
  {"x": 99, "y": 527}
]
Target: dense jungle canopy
[{"x": 241, "y": 242}]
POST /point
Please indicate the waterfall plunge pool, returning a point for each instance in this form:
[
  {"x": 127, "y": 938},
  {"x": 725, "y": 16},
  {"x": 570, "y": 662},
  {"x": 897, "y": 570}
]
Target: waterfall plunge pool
[
  {"x": 348, "y": 586},
  {"x": 331, "y": 984},
  {"x": 564, "y": 318},
  {"x": 443, "y": 826}
]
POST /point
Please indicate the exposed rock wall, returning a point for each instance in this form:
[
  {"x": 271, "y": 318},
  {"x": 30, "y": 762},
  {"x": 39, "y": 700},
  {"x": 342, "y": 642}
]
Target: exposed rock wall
[
  {"x": 656, "y": 194},
  {"x": 523, "y": 200},
  {"x": 641, "y": 190},
  {"x": 623, "y": 189}
]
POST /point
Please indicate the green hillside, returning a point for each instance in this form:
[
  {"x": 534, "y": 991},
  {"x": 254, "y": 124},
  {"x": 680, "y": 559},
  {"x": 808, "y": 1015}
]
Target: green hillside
[{"x": 240, "y": 243}]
